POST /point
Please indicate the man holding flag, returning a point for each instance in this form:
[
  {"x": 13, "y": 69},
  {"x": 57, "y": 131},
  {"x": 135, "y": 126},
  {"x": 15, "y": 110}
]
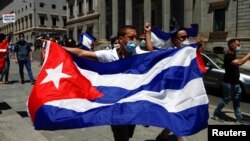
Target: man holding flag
[
  {"x": 146, "y": 89},
  {"x": 128, "y": 47}
]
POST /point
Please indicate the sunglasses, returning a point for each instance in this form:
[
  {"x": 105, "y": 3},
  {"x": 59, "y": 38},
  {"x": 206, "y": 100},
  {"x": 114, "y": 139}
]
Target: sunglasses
[{"x": 182, "y": 38}]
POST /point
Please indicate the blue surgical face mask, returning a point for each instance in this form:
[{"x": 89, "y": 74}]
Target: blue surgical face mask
[
  {"x": 130, "y": 46},
  {"x": 143, "y": 43},
  {"x": 237, "y": 49}
]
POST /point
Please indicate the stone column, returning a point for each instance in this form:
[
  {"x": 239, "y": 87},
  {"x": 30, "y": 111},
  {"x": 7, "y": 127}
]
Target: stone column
[
  {"x": 102, "y": 19},
  {"x": 114, "y": 17},
  {"x": 188, "y": 12},
  {"x": 166, "y": 10},
  {"x": 128, "y": 12},
  {"x": 147, "y": 11}
]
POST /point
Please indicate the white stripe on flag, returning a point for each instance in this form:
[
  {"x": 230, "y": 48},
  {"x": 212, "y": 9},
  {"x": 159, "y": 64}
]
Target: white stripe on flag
[
  {"x": 172, "y": 100},
  {"x": 130, "y": 81}
]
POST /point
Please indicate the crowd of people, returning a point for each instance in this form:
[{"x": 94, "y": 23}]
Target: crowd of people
[{"x": 125, "y": 44}]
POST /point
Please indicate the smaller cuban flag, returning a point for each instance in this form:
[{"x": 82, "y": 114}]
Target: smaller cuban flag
[
  {"x": 162, "y": 40},
  {"x": 86, "y": 40},
  {"x": 161, "y": 88},
  {"x": 3, "y": 51}
]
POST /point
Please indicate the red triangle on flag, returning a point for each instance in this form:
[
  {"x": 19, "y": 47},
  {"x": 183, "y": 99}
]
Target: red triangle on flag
[{"x": 71, "y": 85}]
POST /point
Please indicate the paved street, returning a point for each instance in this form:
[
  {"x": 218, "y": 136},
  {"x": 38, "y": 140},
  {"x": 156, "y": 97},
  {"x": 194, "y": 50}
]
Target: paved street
[{"x": 15, "y": 124}]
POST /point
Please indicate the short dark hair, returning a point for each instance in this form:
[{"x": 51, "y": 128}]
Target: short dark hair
[
  {"x": 174, "y": 34},
  {"x": 70, "y": 42},
  {"x": 112, "y": 39},
  {"x": 122, "y": 31},
  {"x": 231, "y": 41},
  {"x": 21, "y": 35}
]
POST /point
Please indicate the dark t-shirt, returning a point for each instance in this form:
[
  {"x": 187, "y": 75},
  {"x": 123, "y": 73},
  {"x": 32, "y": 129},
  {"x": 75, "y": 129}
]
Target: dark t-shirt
[
  {"x": 22, "y": 49},
  {"x": 232, "y": 73}
]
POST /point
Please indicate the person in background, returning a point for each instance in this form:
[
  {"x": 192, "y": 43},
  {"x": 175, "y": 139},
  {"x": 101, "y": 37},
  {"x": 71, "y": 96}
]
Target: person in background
[
  {"x": 114, "y": 43},
  {"x": 4, "y": 78},
  {"x": 231, "y": 86},
  {"x": 44, "y": 44},
  {"x": 70, "y": 42},
  {"x": 23, "y": 57},
  {"x": 128, "y": 46},
  {"x": 143, "y": 41},
  {"x": 180, "y": 38}
]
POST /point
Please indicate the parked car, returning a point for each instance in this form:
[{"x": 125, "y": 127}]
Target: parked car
[{"x": 215, "y": 72}]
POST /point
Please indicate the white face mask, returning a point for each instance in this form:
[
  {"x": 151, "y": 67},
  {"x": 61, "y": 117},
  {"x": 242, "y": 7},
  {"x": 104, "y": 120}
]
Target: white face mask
[
  {"x": 116, "y": 45},
  {"x": 185, "y": 43}
]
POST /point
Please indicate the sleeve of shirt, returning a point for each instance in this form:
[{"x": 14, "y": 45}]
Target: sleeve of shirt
[{"x": 106, "y": 56}]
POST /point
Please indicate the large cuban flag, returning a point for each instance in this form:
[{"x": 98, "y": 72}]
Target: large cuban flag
[
  {"x": 162, "y": 88},
  {"x": 162, "y": 40},
  {"x": 85, "y": 40}
]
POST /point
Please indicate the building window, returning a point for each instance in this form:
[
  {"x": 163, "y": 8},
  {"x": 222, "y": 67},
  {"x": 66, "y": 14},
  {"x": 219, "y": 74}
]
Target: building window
[
  {"x": 16, "y": 27},
  {"x": 42, "y": 4},
  {"x": 22, "y": 24},
  {"x": 90, "y": 28},
  {"x": 79, "y": 31},
  {"x": 71, "y": 33},
  {"x": 42, "y": 20},
  {"x": 71, "y": 12},
  {"x": 64, "y": 21},
  {"x": 219, "y": 19},
  {"x": 80, "y": 10},
  {"x": 30, "y": 21},
  {"x": 53, "y": 6},
  {"x": 26, "y": 22},
  {"x": 90, "y": 5},
  {"x": 64, "y": 7},
  {"x": 54, "y": 21}
]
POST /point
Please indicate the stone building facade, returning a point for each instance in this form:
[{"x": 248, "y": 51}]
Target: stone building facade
[
  {"x": 35, "y": 18},
  {"x": 219, "y": 20}
]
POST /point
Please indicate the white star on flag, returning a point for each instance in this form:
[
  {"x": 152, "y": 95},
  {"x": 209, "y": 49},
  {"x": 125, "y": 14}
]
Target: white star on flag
[{"x": 55, "y": 75}]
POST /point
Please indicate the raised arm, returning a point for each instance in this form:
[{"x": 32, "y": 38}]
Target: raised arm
[
  {"x": 147, "y": 29},
  {"x": 239, "y": 62},
  {"x": 82, "y": 53}
]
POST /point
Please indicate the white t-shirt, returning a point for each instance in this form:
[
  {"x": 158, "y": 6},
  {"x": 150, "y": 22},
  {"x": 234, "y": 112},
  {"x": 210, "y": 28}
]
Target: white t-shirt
[{"x": 112, "y": 55}]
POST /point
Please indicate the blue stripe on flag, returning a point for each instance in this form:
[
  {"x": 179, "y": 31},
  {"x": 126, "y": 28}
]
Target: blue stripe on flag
[
  {"x": 161, "y": 34},
  {"x": 131, "y": 65},
  {"x": 183, "y": 123}
]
